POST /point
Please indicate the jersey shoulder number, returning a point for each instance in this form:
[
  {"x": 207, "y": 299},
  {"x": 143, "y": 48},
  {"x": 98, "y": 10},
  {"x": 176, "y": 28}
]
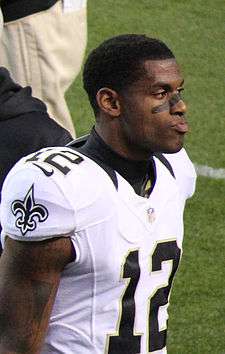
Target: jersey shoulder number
[{"x": 51, "y": 160}]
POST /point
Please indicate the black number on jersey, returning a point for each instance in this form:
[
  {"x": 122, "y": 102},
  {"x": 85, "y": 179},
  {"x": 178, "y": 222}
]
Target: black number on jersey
[
  {"x": 125, "y": 341},
  {"x": 59, "y": 160},
  {"x": 164, "y": 251}
]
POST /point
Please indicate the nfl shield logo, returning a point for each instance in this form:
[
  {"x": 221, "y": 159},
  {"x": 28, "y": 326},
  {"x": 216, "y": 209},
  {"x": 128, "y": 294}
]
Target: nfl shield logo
[{"x": 151, "y": 215}]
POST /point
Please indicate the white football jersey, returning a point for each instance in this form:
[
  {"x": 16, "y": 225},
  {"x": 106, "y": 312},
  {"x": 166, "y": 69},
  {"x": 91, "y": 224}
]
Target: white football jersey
[{"x": 113, "y": 299}]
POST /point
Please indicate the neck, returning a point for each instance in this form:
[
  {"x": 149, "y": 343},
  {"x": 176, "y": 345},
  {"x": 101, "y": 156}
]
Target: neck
[
  {"x": 114, "y": 139},
  {"x": 134, "y": 172}
]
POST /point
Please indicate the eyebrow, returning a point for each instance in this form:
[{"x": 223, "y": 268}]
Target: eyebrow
[{"x": 165, "y": 85}]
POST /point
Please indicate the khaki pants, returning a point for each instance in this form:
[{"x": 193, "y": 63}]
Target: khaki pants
[{"x": 45, "y": 50}]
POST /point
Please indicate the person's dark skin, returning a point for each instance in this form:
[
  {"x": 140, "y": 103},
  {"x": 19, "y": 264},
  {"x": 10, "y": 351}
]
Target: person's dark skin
[{"x": 147, "y": 117}]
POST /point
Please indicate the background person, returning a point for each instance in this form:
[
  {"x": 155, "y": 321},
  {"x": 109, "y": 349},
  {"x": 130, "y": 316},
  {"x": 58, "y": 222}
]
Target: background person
[
  {"x": 43, "y": 45},
  {"x": 90, "y": 267},
  {"x": 25, "y": 125}
]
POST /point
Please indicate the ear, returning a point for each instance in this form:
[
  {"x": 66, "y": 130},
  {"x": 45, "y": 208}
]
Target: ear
[{"x": 108, "y": 101}]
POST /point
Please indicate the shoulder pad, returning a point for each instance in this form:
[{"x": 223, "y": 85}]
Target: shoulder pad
[
  {"x": 80, "y": 145},
  {"x": 165, "y": 162},
  {"x": 78, "y": 142},
  {"x": 54, "y": 159}
]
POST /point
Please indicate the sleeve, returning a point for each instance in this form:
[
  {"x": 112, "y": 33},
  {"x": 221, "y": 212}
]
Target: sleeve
[
  {"x": 34, "y": 207},
  {"x": 184, "y": 171}
]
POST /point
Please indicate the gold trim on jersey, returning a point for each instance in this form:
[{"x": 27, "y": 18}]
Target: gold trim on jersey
[
  {"x": 127, "y": 282},
  {"x": 170, "y": 262}
]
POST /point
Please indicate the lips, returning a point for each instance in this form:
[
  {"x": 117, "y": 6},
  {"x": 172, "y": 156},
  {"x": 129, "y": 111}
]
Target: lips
[{"x": 181, "y": 127}]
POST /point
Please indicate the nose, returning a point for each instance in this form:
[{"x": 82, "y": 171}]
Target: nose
[{"x": 177, "y": 105}]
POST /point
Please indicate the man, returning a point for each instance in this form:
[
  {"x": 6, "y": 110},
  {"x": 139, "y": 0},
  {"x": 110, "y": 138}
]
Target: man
[
  {"x": 43, "y": 46},
  {"x": 93, "y": 233}
]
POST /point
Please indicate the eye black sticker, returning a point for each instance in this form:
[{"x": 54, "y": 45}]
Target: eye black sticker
[{"x": 30, "y": 213}]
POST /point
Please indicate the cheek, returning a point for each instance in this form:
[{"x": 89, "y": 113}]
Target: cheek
[
  {"x": 159, "y": 126},
  {"x": 164, "y": 107}
]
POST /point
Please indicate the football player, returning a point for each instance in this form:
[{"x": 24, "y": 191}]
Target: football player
[{"x": 92, "y": 232}]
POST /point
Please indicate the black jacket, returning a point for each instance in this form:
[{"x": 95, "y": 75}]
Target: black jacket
[
  {"x": 15, "y": 9},
  {"x": 25, "y": 125}
]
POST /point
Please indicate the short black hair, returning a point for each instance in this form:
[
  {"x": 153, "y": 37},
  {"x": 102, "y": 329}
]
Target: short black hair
[{"x": 117, "y": 63}]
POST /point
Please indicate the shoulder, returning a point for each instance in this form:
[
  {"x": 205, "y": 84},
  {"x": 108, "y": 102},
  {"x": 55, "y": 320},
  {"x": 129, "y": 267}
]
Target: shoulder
[
  {"x": 50, "y": 166},
  {"x": 38, "y": 131},
  {"x": 46, "y": 192},
  {"x": 60, "y": 164},
  {"x": 184, "y": 171},
  {"x": 36, "y": 196},
  {"x": 31, "y": 131},
  {"x": 50, "y": 132}
]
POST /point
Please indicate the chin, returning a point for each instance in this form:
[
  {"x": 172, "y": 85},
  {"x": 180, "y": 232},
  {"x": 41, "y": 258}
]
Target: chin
[
  {"x": 176, "y": 146},
  {"x": 172, "y": 149}
]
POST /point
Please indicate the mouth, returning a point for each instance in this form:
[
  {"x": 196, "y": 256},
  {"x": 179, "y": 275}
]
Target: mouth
[{"x": 181, "y": 127}]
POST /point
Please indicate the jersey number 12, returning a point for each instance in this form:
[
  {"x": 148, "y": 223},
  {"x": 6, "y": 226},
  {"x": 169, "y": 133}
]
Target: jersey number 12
[{"x": 125, "y": 341}]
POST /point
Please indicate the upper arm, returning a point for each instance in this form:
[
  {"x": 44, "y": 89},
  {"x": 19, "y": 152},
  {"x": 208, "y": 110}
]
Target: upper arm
[
  {"x": 29, "y": 278},
  {"x": 34, "y": 205}
]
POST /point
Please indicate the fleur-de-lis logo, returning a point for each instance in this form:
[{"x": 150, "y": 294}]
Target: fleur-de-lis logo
[{"x": 29, "y": 212}]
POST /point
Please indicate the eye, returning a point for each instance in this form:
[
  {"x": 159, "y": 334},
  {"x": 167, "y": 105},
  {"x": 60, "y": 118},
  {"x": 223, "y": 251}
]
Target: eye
[
  {"x": 159, "y": 95},
  {"x": 180, "y": 89}
]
